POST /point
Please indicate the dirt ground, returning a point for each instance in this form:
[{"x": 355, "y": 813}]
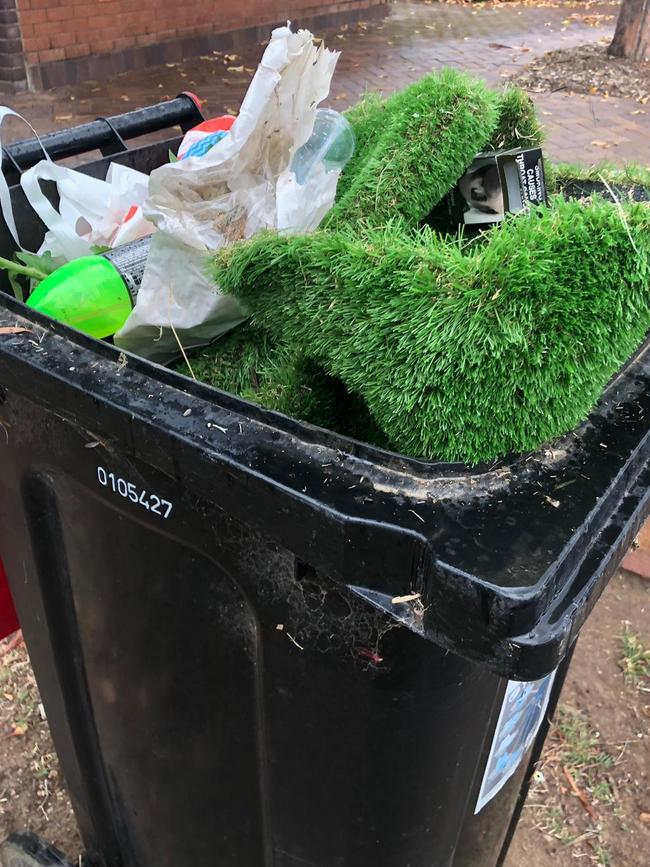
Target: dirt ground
[
  {"x": 587, "y": 69},
  {"x": 590, "y": 802},
  {"x": 32, "y": 794}
]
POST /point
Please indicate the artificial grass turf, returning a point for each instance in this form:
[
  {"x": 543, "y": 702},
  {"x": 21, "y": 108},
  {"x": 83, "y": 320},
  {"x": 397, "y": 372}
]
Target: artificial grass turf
[
  {"x": 560, "y": 175},
  {"x": 409, "y": 157},
  {"x": 460, "y": 354},
  {"x": 437, "y": 352},
  {"x": 250, "y": 363},
  {"x": 515, "y": 125}
]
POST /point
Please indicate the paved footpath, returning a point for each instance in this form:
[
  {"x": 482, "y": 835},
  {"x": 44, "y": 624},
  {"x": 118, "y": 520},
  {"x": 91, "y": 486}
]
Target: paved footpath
[{"x": 490, "y": 41}]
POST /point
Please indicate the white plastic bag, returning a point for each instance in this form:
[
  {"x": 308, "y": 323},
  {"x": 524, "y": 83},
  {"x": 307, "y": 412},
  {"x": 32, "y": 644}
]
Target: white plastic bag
[
  {"x": 5, "y": 195},
  {"x": 242, "y": 185},
  {"x": 91, "y": 212}
]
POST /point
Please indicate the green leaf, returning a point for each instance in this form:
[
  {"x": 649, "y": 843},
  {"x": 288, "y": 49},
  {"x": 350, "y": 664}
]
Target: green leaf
[
  {"x": 28, "y": 265},
  {"x": 16, "y": 287},
  {"x": 172, "y": 156},
  {"x": 45, "y": 262}
]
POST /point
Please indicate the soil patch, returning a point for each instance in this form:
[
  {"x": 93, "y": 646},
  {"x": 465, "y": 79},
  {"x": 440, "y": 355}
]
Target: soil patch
[
  {"x": 32, "y": 793},
  {"x": 586, "y": 69},
  {"x": 590, "y": 798}
]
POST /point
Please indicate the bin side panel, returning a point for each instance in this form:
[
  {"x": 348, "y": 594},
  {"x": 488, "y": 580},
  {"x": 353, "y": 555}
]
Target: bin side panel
[
  {"x": 385, "y": 754},
  {"x": 229, "y": 702},
  {"x": 170, "y": 652}
]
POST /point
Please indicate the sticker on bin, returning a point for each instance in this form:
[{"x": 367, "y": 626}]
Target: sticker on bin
[{"x": 522, "y": 712}]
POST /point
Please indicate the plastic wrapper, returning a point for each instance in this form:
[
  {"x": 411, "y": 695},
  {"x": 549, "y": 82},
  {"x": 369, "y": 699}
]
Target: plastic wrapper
[{"x": 242, "y": 185}]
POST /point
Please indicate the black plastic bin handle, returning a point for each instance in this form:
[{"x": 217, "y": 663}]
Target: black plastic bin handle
[{"x": 107, "y": 135}]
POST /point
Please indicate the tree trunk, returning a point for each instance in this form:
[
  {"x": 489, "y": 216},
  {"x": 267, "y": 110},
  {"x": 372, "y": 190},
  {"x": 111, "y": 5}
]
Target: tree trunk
[{"x": 632, "y": 36}]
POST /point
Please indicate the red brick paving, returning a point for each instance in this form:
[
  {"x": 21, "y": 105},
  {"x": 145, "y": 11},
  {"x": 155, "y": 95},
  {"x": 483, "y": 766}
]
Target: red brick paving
[
  {"x": 638, "y": 561},
  {"x": 491, "y": 41}
]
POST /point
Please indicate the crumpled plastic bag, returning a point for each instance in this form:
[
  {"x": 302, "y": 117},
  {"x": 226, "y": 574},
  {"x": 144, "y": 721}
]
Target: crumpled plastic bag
[
  {"x": 242, "y": 185},
  {"x": 92, "y": 212}
]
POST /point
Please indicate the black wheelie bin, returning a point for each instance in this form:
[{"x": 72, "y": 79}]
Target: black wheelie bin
[{"x": 262, "y": 644}]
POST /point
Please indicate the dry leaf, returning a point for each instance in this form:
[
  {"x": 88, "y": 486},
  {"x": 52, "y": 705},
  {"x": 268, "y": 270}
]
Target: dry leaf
[
  {"x": 230, "y": 58},
  {"x": 235, "y": 69},
  {"x": 597, "y": 20},
  {"x": 644, "y": 817},
  {"x": 63, "y": 117},
  {"x": 600, "y": 144},
  {"x": 498, "y": 45},
  {"x": 639, "y": 111},
  {"x": 14, "y": 329}
]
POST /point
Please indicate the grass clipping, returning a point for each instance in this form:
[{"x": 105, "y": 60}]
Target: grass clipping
[{"x": 391, "y": 333}]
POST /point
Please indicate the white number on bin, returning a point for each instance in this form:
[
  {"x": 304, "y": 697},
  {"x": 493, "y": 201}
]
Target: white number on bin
[{"x": 149, "y": 501}]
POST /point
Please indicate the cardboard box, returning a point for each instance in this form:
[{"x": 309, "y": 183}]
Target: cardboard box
[{"x": 498, "y": 183}]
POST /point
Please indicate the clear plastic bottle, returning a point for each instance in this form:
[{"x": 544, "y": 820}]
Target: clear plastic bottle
[{"x": 331, "y": 143}]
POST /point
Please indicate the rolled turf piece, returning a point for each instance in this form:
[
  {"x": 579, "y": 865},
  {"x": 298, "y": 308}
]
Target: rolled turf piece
[
  {"x": 516, "y": 126},
  {"x": 460, "y": 354},
  {"x": 278, "y": 373},
  {"x": 258, "y": 368},
  {"x": 429, "y": 133}
]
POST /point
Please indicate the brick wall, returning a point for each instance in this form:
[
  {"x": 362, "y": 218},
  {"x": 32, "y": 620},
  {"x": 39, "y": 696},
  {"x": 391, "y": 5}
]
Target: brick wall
[
  {"x": 59, "y": 30},
  {"x": 12, "y": 64}
]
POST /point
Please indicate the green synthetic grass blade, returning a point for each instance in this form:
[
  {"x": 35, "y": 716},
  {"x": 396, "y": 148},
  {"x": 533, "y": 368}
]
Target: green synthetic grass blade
[
  {"x": 440, "y": 347},
  {"x": 460, "y": 354},
  {"x": 422, "y": 143}
]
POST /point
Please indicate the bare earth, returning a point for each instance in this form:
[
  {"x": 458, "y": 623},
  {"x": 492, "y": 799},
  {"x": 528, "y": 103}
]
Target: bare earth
[
  {"x": 590, "y": 802},
  {"x": 600, "y": 741},
  {"x": 586, "y": 69}
]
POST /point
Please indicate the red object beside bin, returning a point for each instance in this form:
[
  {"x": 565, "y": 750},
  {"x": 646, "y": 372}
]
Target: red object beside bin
[{"x": 8, "y": 617}]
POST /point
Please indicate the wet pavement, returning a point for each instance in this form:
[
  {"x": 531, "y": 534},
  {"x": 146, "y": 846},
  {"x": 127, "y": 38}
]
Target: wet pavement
[{"x": 490, "y": 41}]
